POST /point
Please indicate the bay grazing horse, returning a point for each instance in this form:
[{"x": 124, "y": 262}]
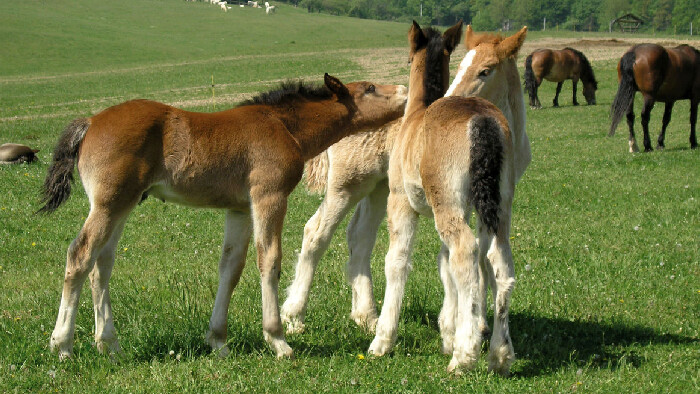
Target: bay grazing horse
[
  {"x": 246, "y": 160},
  {"x": 557, "y": 66},
  {"x": 660, "y": 74},
  {"x": 353, "y": 172},
  {"x": 451, "y": 156}
]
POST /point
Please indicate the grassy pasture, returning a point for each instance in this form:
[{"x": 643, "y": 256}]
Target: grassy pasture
[{"x": 605, "y": 242}]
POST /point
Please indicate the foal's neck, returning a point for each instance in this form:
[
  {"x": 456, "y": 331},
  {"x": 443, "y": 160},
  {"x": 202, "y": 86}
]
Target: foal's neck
[{"x": 318, "y": 125}]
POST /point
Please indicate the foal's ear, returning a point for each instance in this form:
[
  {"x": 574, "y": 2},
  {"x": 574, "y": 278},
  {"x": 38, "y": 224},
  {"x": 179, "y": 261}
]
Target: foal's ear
[
  {"x": 416, "y": 38},
  {"x": 469, "y": 38},
  {"x": 511, "y": 45},
  {"x": 336, "y": 86},
  {"x": 452, "y": 37}
]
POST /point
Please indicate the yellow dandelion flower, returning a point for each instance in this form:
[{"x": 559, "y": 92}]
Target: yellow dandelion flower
[{"x": 360, "y": 357}]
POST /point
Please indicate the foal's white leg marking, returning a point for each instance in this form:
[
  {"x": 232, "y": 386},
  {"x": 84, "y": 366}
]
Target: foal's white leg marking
[
  {"x": 268, "y": 216},
  {"x": 448, "y": 313},
  {"x": 501, "y": 353},
  {"x": 402, "y": 221},
  {"x": 80, "y": 260},
  {"x": 318, "y": 233},
  {"x": 105, "y": 333},
  {"x": 362, "y": 235},
  {"x": 233, "y": 253},
  {"x": 461, "y": 71},
  {"x": 464, "y": 272}
]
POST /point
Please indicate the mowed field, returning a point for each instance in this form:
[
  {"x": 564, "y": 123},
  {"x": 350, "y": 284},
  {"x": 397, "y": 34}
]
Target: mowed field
[{"x": 606, "y": 243}]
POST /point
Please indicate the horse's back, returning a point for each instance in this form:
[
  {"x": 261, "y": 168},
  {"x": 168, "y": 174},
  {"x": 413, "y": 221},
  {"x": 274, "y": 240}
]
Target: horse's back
[{"x": 666, "y": 74}]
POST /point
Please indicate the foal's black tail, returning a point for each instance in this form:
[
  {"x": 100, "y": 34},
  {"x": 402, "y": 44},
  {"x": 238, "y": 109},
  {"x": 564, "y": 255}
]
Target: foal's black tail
[
  {"x": 625, "y": 91},
  {"x": 57, "y": 184},
  {"x": 485, "y": 168},
  {"x": 530, "y": 83}
]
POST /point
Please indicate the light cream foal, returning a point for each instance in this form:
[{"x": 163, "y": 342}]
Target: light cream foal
[
  {"x": 355, "y": 170},
  {"x": 450, "y": 157}
]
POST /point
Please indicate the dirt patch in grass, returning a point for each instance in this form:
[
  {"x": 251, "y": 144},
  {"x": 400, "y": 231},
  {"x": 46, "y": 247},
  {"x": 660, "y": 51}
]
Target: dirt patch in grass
[{"x": 599, "y": 49}]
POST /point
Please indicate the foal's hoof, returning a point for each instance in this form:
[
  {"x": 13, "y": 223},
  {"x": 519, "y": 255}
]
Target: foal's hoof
[
  {"x": 64, "y": 349},
  {"x": 457, "y": 366},
  {"x": 293, "y": 325},
  {"x": 660, "y": 147},
  {"x": 108, "y": 347},
  {"x": 279, "y": 346},
  {"x": 379, "y": 347},
  {"x": 366, "y": 321}
]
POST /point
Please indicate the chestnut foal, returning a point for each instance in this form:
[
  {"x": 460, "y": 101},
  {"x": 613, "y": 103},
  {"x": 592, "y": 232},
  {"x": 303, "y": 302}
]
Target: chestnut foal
[{"x": 246, "y": 160}]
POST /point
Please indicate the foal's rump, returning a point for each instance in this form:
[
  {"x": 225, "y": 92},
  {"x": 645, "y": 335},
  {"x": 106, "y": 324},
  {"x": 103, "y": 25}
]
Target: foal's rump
[{"x": 468, "y": 145}]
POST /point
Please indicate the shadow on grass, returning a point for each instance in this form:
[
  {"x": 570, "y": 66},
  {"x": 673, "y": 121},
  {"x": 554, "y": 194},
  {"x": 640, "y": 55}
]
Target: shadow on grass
[
  {"x": 547, "y": 344},
  {"x": 542, "y": 344}
]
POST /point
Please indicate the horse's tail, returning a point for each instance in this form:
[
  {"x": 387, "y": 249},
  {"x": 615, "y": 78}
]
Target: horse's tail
[
  {"x": 530, "y": 83},
  {"x": 625, "y": 91},
  {"x": 317, "y": 173},
  {"x": 57, "y": 185},
  {"x": 485, "y": 168}
]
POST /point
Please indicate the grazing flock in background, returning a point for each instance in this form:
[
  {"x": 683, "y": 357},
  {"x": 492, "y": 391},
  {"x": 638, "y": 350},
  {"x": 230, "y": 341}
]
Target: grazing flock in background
[{"x": 439, "y": 150}]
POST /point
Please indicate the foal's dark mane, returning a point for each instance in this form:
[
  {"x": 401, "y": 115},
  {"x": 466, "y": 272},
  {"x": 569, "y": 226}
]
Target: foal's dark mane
[
  {"x": 586, "y": 69},
  {"x": 289, "y": 91},
  {"x": 432, "y": 82}
]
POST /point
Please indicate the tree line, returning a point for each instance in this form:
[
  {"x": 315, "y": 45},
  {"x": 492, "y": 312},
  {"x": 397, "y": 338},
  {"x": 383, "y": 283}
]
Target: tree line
[{"x": 579, "y": 15}]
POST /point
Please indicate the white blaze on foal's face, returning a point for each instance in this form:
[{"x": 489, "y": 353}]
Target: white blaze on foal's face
[{"x": 461, "y": 71}]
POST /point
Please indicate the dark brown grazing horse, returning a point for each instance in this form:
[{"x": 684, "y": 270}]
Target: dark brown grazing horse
[
  {"x": 246, "y": 160},
  {"x": 661, "y": 74},
  {"x": 557, "y": 66}
]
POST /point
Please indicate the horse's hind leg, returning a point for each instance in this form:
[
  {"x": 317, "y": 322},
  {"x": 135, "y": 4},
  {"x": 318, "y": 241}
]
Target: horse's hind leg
[
  {"x": 693, "y": 122},
  {"x": 501, "y": 353},
  {"x": 646, "y": 115},
  {"x": 318, "y": 233},
  {"x": 362, "y": 235},
  {"x": 668, "y": 108},
  {"x": 105, "y": 333},
  {"x": 97, "y": 231},
  {"x": 632, "y": 140},
  {"x": 448, "y": 313},
  {"x": 233, "y": 254},
  {"x": 538, "y": 82},
  {"x": 555, "y": 102},
  {"x": 464, "y": 271}
]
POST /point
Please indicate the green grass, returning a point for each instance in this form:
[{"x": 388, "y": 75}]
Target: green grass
[{"x": 609, "y": 301}]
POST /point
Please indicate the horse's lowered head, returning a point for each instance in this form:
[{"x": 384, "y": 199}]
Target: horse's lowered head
[
  {"x": 589, "y": 89},
  {"x": 484, "y": 63}
]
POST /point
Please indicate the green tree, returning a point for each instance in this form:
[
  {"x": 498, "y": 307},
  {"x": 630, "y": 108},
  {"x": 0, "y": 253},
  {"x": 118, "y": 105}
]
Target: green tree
[
  {"x": 611, "y": 9},
  {"x": 685, "y": 12},
  {"x": 662, "y": 15}
]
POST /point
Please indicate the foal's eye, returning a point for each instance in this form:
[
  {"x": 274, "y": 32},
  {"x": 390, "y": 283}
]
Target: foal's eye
[
  {"x": 370, "y": 89},
  {"x": 484, "y": 73}
]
